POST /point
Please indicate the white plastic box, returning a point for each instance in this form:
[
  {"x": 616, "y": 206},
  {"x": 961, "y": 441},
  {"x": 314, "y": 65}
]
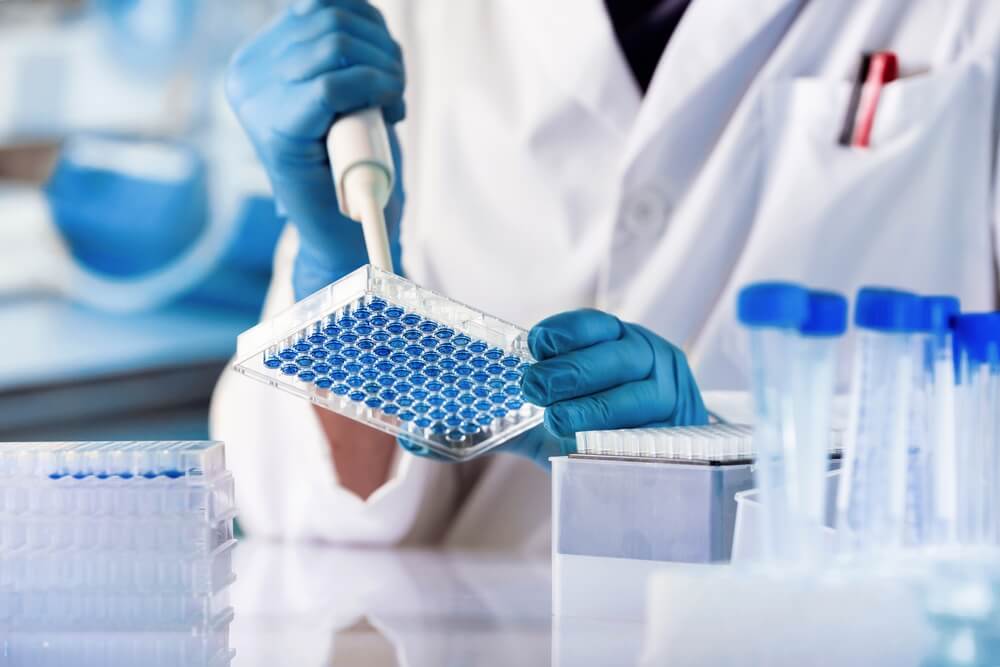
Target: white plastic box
[{"x": 615, "y": 521}]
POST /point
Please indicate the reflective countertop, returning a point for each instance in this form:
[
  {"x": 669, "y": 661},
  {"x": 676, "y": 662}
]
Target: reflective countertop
[{"x": 312, "y": 605}]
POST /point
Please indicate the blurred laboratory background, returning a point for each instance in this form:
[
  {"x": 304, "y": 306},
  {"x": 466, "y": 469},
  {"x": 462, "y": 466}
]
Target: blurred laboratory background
[{"x": 136, "y": 228}]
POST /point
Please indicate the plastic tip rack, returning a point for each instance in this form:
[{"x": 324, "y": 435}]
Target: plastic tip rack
[
  {"x": 711, "y": 443},
  {"x": 400, "y": 358},
  {"x": 100, "y": 541},
  {"x": 715, "y": 442}
]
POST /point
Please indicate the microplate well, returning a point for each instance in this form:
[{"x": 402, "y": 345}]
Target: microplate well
[{"x": 381, "y": 350}]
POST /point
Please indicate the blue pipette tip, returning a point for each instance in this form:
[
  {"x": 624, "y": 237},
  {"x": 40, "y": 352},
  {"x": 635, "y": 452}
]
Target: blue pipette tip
[
  {"x": 827, "y": 314},
  {"x": 887, "y": 310},
  {"x": 977, "y": 335},
  {"x": 937, "y": 312},
  {"x": 773, "y": 304}
]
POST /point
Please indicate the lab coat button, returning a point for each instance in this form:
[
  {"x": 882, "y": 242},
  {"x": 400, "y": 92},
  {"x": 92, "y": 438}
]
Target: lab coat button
[{"x": 645, "y": 212}]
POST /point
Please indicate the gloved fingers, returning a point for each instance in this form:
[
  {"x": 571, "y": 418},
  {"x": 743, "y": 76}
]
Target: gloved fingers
[
  {"x": 395, "y": 112},
  {"x": 627, "y": 406},
  {"x": 356, "y": 87},
  {"x": 362, "y": 8},
  {"x": 572, "y": 330},
  {"x": 254, "y": 63},
  {"x": 333, "y": 52},
  {"x": 589, "y": 370},
  {"x": 331, "y": 20}
]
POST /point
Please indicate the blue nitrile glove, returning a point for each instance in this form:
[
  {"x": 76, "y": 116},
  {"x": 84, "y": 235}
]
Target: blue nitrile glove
[
  {"x": 315, "y": 62},
  {"x": 596, "y": 372},
  {"x": 127, "y": 207}
]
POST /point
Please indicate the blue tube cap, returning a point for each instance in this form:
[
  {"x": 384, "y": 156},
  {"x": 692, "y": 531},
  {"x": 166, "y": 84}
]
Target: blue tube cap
[
  {"x": 937, "y": 312},
  {"x": 978, "y": 336},
  {"x": 887, "y": 310},
  {"x": 778, "y": 305},
  {"x": 827, "y": 314}
]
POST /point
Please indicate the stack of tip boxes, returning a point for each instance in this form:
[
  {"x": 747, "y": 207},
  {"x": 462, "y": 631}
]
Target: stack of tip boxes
[
  {"x": 115, "y": 554},
  {"x": 400, "y": 358},
  {"x": 631, "y": 501}
]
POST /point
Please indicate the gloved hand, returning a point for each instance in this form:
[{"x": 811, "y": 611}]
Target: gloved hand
[
  {"x": 315, "y": 62},
  {"x": 596, "y": 372}
]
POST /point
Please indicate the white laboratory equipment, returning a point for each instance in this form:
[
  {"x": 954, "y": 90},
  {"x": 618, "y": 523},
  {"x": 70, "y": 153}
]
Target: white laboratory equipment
[
  {"x": 633, "y": 501},
  {"x": 381, "y": 350},
  {"x": 872, "y": 501},
  {"x": 933, "y": 503},
  {"x": 363, "y": 174},
  {"x": 812, "y": 364},
  {"x": 773, "y": 313},
  {"x": 104, "y": 543}
]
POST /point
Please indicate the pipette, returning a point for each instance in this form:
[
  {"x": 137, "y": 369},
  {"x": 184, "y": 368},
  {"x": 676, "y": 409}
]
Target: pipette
[{"x": 363, "y": 173}]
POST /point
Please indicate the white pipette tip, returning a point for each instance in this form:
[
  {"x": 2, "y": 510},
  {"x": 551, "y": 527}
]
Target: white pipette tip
[{"x": 363, "y": 174}]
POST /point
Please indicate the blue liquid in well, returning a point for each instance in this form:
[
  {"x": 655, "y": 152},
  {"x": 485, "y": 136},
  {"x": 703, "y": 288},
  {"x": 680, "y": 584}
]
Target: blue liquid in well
[{"x": 399, "y": 364}]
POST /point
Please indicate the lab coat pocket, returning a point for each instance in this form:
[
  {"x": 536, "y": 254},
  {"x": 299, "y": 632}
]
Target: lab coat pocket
[{"x": 909, "y": 210}]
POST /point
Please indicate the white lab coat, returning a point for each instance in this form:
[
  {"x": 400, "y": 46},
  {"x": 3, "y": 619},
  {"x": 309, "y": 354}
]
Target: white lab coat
[{"x": 539, "y": 180}]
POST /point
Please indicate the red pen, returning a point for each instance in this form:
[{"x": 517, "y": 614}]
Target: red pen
[{"x": 883, "y": 67}]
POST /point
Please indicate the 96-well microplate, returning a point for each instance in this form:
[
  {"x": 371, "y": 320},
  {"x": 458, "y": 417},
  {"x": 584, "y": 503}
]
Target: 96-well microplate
[{"x": 403, "y": 359}]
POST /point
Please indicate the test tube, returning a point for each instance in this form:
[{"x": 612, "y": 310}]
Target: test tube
[
  {"x": 772, "y": 313},
  {"x": 871, "y": 501},
  {"x": 933, "y": 492},
  {"x": 977, "y": 338},
  {"x": 814, "y": 373}
]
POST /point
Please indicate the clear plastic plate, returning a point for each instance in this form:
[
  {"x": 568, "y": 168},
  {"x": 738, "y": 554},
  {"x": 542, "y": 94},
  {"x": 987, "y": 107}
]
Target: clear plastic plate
[{"x": 400, "y": 358}]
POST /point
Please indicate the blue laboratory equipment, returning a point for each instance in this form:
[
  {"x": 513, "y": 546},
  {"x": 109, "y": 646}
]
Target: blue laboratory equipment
[
  {"x": 773, "y": 313},
  {"x": 933, "y": 464},
  {"x": 379, "y": 349},
  {"x": 872, "y": 498},
  {"x": 117, "y": 539},
  {"x": 813, "y": 366},
  {"x": 977, "y": 338}
]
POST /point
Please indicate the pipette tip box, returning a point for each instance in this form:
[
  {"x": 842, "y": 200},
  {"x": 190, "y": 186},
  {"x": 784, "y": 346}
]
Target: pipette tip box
[
  {"x": 98, "y": 538},
  {"x": 379, "y": 349},
  {"x": 633, "y": 501}
]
